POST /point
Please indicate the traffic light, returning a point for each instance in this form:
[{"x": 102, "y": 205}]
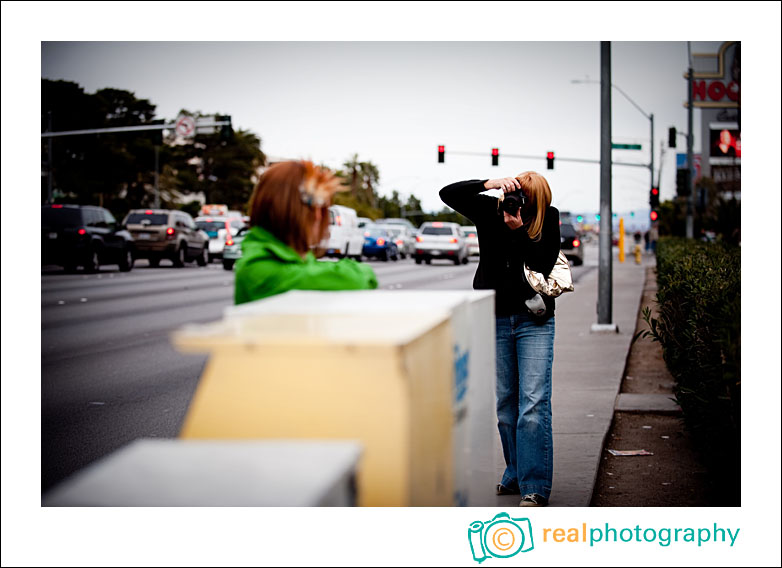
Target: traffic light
[
  {"x": 654, "y": 198},
  {"x": 440, "y": 154},
  {"x": 495, "y": 156},
  {"x": 653, "y": 215},
  {"x": 549, "y": 160},
  {"x": 226, "y": 130},
  {"x": 682, "y": 179},
  {"x": 672, "y": 137}
]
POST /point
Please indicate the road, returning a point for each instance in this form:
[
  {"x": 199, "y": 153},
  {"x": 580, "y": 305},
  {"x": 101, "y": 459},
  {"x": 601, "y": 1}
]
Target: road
[{"x": 109, "y": 374}]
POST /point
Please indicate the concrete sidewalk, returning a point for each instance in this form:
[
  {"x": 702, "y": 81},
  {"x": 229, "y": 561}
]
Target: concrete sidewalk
[{"x": 587, "y": 376}]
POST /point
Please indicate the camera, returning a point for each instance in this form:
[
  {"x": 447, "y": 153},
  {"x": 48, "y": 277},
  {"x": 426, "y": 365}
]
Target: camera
[
  {"x": 512, "y": 201},
  {"x": 502, "y": 537}
]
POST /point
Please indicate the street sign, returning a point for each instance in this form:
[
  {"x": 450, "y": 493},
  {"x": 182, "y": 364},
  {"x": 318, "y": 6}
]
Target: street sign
[
  {"x": 185, "y": 126},
  {"x": 626, "y": 146}
]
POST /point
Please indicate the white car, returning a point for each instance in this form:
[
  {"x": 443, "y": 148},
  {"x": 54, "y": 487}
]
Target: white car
[
  {"x": 218, "y": 228},
  {"x": 402, "y": 236},
  {"x": 471, "y": 234},
  {"x": 440, "y": 240},
  {"x": 345, "y": 238}
]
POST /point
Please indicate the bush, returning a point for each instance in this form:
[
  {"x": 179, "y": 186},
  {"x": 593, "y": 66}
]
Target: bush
[{"x": 699, "y": 328}]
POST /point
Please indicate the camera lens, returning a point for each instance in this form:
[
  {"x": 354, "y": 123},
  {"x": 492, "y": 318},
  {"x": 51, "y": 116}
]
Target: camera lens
[{"x": 512, "y": 202}]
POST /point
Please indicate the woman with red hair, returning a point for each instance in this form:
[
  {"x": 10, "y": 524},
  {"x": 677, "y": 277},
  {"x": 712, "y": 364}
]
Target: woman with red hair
[{"x": 288, "y": 216}]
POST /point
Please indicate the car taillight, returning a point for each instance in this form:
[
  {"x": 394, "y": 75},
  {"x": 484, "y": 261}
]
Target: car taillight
[
  {"x": 170, "y": 231},
  {"x": 366, "y": 234},
  {"x": 576, "y": 243},
  {"x": 454, "y": 240},
  {"x": 437, "y": 224},
  {"x": 56, "y": 206},
  {"x": 339, "y": 220},
  {"x": 471, "y": 235},
  {"x": 400, "y": 242},
  {"x": 419, "y": 239},
  {"x": 229, "y": 242},
  {"x": 82, "y": 231},
  {"x": 148, "y": 212},
  {"x": 380, "y": 242}
]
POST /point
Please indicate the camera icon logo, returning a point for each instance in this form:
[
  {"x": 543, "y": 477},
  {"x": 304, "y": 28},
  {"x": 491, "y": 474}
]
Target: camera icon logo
[{"x": 502, "y": 537}]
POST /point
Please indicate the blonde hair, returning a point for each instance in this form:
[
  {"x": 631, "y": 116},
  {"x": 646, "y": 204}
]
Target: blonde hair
[
  {"x": 536, "y": 189},
  {"x": 285, "y": 200}
]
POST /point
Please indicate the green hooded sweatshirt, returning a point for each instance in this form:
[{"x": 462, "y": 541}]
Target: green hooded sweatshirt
[{"x": 270, "y": 267}]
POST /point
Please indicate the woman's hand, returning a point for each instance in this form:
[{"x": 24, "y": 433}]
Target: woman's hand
[
  {"x": 507, "y": 185},
  {"x": 513, "y": 221}
]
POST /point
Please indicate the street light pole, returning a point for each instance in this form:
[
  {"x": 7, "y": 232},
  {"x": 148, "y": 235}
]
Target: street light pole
[
  {"x": 605, "y": 274},
  {"x": 651, "y": 124}
]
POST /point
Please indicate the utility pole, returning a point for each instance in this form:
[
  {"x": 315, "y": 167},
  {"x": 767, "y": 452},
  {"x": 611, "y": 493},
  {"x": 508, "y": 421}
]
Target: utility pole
[
  {"x": 49, "y": 180},
  {"x": 157, "y": 177},
  {"x": 605, "y": 276},
  {"x": 690, "y": 168}
]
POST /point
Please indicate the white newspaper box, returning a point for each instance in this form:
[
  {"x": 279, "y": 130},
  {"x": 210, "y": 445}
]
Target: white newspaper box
[
  {"x": 471, "y": 315},
  {"x": 215, "y": 473}
]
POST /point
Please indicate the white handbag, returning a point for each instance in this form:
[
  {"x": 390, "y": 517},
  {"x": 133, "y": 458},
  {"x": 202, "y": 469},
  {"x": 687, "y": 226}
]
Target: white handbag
[{"x": 558, "y": 282}]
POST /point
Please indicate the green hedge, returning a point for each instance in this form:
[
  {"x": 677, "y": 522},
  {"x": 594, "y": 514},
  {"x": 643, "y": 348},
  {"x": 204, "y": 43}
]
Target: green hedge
[{"x": 699, "y": 328}]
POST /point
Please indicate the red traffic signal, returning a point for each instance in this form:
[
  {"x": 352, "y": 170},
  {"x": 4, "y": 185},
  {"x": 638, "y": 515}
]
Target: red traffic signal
[
  {"x": 495, "y": 156},
  {"x": 549, "y": 160},
  {"x": 653, "y": 216},
  {"x": 654, "y": 197},
  {"x": 440, "y": 154}
]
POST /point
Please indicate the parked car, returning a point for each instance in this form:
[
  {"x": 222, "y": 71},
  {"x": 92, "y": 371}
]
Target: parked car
[
  {"x": 345, "y": 238},
  {"x": 167, "y": 233},
  {"x": 440, "y": 240},
  {"x": 233, "y": 248},
  {"x": 403, "y": 237},
  {"x": 379, "y": 244},
  {"x": 471, "y": 234},
  {"x": 84, "y": 235},
  {"x": 218, "y": 229},
  {"x": 570, "y": 243}
]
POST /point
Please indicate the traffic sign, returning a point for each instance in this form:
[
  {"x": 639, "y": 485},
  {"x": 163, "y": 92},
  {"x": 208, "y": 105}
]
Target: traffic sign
[
  {"x": 626, "y": 146},
  {"x": 185, "y": 126}
]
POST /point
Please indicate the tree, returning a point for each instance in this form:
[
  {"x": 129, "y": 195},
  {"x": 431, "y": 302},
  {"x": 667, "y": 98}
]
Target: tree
[{"x": 96, "y": 168}]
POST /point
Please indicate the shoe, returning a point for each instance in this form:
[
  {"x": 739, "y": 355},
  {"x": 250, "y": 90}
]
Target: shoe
[
  {"x": 533, "y": 500},
  {"x": 502, "y": 490}
]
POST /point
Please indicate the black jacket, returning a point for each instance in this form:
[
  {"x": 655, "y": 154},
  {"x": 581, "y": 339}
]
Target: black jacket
[{"x": 504, "y": 251}]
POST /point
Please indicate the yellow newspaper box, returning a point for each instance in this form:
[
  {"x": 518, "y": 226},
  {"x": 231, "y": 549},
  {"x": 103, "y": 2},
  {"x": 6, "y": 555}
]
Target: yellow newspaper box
[{"x": 384, "y": 381}]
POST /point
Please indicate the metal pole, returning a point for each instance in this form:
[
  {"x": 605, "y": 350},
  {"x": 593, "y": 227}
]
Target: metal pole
[
  {"x": 651, "y": 144},
  {"x": 157, "y": 189},
  {"x": 49, "y": 181},
  {"x": 604, "y": 297},
  {"x": 690, "y": 177}
]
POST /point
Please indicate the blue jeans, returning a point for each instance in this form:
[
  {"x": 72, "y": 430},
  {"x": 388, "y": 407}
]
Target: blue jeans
[{"x": 525, "y": 353}]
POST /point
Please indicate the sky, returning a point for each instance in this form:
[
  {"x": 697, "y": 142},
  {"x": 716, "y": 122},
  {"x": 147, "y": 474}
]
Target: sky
[
  {"x": 498, "y": 75},
  {"x": 393, "y": 103}
]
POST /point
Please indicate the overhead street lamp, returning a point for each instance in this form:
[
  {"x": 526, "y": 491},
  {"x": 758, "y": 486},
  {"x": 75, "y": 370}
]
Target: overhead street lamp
[{"x": 649, "y": 116}]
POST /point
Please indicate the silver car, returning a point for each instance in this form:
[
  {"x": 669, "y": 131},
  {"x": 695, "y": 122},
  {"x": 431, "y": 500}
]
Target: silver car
[
  {"x": 440, "y": 240},
  {"x": 402, "y": 236}
]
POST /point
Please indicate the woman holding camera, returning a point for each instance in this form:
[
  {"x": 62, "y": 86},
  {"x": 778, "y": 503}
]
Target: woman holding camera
[
  {"x": 520, "y": 227},
  {"x": 289, "y": 215}
]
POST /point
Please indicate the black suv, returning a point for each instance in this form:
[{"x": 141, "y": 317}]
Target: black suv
[
  {"x": 84, "y": 235},
  {"x": 570, "y": 243}
]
